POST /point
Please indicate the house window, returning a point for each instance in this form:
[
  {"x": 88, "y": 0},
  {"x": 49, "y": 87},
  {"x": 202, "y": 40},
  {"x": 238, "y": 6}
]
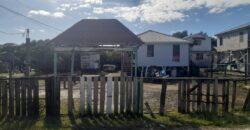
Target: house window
[
  {"x": 221, "y": 41},
  {"x": 241, "y": 37},
  {"x": 176, "y": 53},
  {"x": 197, "y": 42},
  {"x": 150, "y": 51},
  {"x": 199, "y": 56}
]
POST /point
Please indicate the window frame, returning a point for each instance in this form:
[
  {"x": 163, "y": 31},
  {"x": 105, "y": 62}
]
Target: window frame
[
  {"x": 176, "y": 58},
  {"x": 150, "y": 53}
]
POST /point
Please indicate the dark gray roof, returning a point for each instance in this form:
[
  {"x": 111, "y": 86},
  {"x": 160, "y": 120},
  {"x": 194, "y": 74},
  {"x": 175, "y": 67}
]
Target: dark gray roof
[
  {"x": 151, "y": 36},
  {"x": 93, "y": 32},
  {"x": 243, "y": 26}
]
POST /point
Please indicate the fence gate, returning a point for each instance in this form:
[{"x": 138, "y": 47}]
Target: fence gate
[
  {"x": 108, "y": 95},
  {"x": 203, "y": 95}
]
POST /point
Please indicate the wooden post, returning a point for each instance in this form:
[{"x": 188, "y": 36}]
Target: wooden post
[
  {"x": 234, "y": 94},
  {"x": 227, "y": 95},
  {"x": 4, "y": 98},
  {"x": 17, "y": 96},
  {"x": 163, "y": 97},
  {"x": 95, "y": 95},
  {"x": 188, "y": 96},
  {"x": 82, "y": 95},
  {"x": 70, "y": 95},
  {"x": 215, "y": 96},
  {"x": 36, "y": 98},
  {"x": 223, "y": 96},
  {"x": 194, "y": 97},
  {"x": 24, "y": 86},
  {"x": 109, "y": 95},
  {"x": 199, "y": 97},
  {"x": 116, "y": 97},
  {"x": 134, "y": 95},
  {"x": 29, "y": 94},
  {"x": 122, "y": 94},
  {"x": 72, "y": 63},
  {"x": 11, "y": 98},
  {"x": 180, "y": 96},
  {"x": 102, "y": 95},
  {"x": 208, "y": 97},
  {"x": 89, "y": 95}
]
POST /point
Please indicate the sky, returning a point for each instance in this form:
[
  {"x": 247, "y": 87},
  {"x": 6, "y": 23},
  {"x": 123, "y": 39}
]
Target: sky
[{"x": 166, "y": 16}]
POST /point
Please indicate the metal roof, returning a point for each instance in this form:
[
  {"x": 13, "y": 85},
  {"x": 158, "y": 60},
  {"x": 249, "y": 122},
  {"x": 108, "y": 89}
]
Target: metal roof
[
  {"x": 95, "y": 32},
  {"x": 157, "y": 37}
]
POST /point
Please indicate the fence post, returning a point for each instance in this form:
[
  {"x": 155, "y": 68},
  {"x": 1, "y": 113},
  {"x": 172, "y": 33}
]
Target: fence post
[
  {"x": 208, "y": 97},
  {"x": 11, "y": 98},
  {"x": 95, "y": 95},
  {"x": 82, "y": 95},
  {"x": 109, "y": 95},
  {"x": 188, "y": 96},
  {"x": 116, "y": 97},
  {"x": 163, "y": 96},
  {"x": 70, "y": 95},
  {"x": 180, "y": 96},
  {"x": 102, "y": 95},
  {"x": 234, "y": 94},
  {"x": 215, "y": 96}
]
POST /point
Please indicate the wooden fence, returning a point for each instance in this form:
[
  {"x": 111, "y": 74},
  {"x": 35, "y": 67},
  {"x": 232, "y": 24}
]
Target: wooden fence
[
  {"x": 203, "y": 94},
  {"x": 110, "y": 95},
  {"x": 19, "y": 98}
]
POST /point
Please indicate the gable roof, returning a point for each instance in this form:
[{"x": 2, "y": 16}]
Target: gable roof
[
  {"x": 157, "y": 37},
  {"x": 93, "y": 32},
  {"x": 243, "y": 26}
]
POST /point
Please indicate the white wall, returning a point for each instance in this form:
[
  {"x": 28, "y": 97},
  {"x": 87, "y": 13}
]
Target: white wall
[
  {"x": 163, "y": 55},
  {"x": 206, "y": 45},
  {"x": 231, "y": 41}
]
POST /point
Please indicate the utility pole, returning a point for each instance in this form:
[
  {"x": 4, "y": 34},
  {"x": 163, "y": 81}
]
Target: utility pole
[{"x": 27, "y": 59}]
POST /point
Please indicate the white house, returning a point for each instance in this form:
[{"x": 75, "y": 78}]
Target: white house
[
  {"x": 161, "y": 50},
  {"x": 200, "y": 50}
]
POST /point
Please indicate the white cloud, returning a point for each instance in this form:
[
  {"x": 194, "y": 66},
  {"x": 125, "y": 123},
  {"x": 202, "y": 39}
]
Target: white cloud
[
  {"x": 46, "y": 13},
  {"x": 91, "y": 17},
  {"x": 159, "y": 11},
  {"x": 42, "y": 30}
]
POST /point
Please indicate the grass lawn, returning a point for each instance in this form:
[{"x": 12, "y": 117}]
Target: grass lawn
[{"x": 170, "y": 120}]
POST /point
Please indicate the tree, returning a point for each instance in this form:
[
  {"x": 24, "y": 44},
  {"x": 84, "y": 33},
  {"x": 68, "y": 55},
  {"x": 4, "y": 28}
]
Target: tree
[{"x": 180, "y": 34}]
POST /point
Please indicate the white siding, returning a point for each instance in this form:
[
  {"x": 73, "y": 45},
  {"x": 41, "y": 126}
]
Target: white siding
[
  {"x": 206, "y": 45},
  {"x": 163, "y": 55},
  {"x": 231, "y": 41}
]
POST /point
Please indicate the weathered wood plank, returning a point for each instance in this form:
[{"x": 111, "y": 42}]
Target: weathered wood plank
[
  {"x": 199, "y": 97},
  {"x": 4, "y": 99},
  {"x": 122, "y": 94},
  {"x": 102, "y": 95},
  {"x": 215, "y": 96},
  {"x": 82, "y": 95},
  {"x": 130, "y": 94},
  {"x": 36, "y": 98},
  {"x": 188, "y": 96},
  {"x": 116, "y": 94},
  {"x": 89, "y": 95},
  {"x": 24, "y": 98},
  {"x": 70, "y": 95},
  {"x": 134, "y": 95},
  {"x": 95, "y": 95},
  {"x": 141, "y": 96},
  {"x": 1, "y": 96},
  {"x": 29, "y": 94},
  {"x": 180, "y": 96},
  {"x": 234, "y": 94},
  {"x": 163, "y": 97},
  {"x": 208, "y": 97},
  {"x": 109, "y": 95},
  {"x": 11, "y": 98}
]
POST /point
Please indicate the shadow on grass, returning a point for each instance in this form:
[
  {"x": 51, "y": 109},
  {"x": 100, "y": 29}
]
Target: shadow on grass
[{"x": 170, "y": 120}]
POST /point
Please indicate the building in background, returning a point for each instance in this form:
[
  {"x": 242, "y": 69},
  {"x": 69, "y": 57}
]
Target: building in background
[
  {"x": 200, "y": 50},
  {"x": 233, "y": 47},
  {"x": 165, "y": 52}
]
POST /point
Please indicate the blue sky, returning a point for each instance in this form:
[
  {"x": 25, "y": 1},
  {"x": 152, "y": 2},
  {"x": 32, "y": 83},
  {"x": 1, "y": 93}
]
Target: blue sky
[{"x": 167, "y": 16}]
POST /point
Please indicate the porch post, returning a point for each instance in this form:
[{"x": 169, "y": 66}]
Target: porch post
[
  {"x": 72, "y": 63},
  {"x": 55, "y": 64}
]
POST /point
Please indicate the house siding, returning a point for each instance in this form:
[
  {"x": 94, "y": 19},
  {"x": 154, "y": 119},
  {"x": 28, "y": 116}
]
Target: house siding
[
  {"x": 163, "y": 55},
  {"x": 231, "y": 41}
]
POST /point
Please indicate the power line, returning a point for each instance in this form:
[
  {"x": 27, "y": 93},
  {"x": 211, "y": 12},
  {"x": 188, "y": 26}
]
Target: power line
[
  {"x": 32, "y": 19},
  {"x": 7, "y": 33}
]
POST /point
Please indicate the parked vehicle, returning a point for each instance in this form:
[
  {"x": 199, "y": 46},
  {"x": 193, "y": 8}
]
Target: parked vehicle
[{"x": 109, "y": 67}]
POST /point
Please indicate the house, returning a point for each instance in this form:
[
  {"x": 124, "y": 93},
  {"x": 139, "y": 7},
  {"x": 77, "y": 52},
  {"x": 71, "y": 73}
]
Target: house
[
  {"x": 200, "y": 50},
  {"x": 88, "y": 38},
  {"x": 233, "y": 47},
  {"x": 164, "y": 51}
]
